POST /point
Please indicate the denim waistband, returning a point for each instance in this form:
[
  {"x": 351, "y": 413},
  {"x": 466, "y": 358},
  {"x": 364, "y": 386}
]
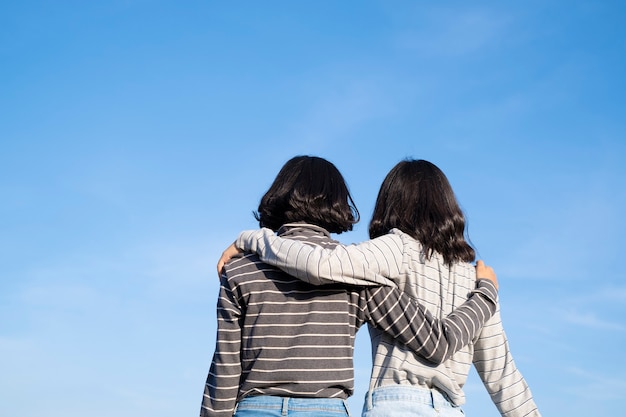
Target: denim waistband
[
  {"x": 431, "y": 397},
  {"x": 286, "y": 404}
]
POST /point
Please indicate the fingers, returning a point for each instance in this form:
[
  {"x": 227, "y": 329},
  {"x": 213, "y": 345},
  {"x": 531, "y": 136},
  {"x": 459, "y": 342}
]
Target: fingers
[
  {"x": 220, "y": 267},
  {"x": 223, "y": 260},
  {"x": 486, "y": 272},
  {"x": 231, "y": 251}
]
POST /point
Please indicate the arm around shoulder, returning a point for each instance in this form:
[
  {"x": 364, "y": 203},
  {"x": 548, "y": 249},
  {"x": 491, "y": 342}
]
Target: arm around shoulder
[
  {"x": 360, "y": 265},
  {"x": 412, "y": 324}
]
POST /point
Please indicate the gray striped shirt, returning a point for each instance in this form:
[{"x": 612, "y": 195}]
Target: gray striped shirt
[
  {"x": 441, "y": 288},
  {"x": 280, "y": 336}
]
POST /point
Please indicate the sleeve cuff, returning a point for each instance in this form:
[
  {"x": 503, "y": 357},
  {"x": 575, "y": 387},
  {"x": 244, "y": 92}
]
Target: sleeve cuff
[{"x": 486, "y": 288}]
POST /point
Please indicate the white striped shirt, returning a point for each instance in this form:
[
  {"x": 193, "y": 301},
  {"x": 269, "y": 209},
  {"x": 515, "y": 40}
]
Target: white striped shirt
[{"x": 400, "y": 258}]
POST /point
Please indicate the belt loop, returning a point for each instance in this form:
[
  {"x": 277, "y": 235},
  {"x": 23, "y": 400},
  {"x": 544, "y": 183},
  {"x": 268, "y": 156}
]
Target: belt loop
[
  {"x": 370, "y": 401},
  {"x": 345, "y": 404},
  {"x": 285, "y": 406},
  {"x": 434, "y": 399}
]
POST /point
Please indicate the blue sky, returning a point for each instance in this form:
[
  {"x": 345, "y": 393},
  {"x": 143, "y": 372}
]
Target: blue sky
[{"x": 137, "y": 137}]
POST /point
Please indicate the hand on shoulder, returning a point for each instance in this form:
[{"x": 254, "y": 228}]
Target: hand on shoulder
[{"x": 486, "y": 272}]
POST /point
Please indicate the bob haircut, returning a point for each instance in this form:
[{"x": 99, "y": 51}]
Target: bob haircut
[
  {"x": 417, "y": 198},
  {"x": 308, "y": 189}
]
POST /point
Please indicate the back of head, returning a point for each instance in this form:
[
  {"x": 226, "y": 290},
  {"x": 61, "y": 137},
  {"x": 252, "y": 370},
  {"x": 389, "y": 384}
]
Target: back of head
[
  {"x": 308, "y": 189},
  {"x": 417, "y": 198}
]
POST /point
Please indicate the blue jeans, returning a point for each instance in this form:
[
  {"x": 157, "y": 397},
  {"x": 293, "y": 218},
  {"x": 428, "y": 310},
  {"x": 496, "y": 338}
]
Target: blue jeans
[
  {"x": 269, "y": 406},
  {"x": 406, "y": 401}
]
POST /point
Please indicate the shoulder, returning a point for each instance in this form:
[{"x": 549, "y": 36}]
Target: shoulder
[
  {"x": 248, "y": 275},
  {"x": 402, "y": 239},
  {"x": 246, "y": 266},
  {"x": 465, "y": 269},
  {"x": 307, "y": 233}
]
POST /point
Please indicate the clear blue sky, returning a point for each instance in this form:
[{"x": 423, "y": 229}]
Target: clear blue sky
[{"x": 137, "y": 137}]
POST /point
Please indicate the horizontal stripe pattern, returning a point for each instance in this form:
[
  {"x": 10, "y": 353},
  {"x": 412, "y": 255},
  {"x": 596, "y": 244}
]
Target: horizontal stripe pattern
[
  {"x": 399, "y": 259},
  {"x": 280, "y": 336}
]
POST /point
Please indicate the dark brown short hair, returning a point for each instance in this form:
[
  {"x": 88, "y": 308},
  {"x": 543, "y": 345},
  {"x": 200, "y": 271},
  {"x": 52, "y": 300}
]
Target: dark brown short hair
[{"x": 308, "y": 189}]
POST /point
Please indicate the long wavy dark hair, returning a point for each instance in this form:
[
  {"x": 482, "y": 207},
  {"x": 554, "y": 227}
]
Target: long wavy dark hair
[
  {"x": 417, "y": 198},
  {"x": 312, "y": 190}
]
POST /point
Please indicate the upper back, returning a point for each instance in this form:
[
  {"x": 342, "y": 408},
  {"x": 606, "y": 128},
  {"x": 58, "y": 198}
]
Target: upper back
[
  {"x": 297, "y": 339},
  {"x": 441, "y": 287}
]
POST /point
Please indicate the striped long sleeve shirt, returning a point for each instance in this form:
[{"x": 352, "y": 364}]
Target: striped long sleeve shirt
[
  {"x": 280, "y": 336},
  {"x": 441, "y": 288}
]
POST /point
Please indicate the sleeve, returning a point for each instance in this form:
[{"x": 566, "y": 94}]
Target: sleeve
[
  {"x": 410, "y": 323},
  {"x": 495, "y": 366},
  {"x": 222, "y": 384},
  {"x": 369, "y": 263}
]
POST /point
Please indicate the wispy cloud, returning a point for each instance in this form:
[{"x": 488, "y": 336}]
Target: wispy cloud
[
  {"x": 600, "y": 296},
  {"x": 339, "y": 108},
  {"x": 594, "y": 385},
  {"x": 561, "y": 242},
  {"x": 591, "y": 320},
  {"x": 103, "y": 314},
  {"x": 454, "y": 32}
]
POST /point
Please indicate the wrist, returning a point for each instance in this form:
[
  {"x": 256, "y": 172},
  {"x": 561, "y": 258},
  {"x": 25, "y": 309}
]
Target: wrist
[{"x": 487, "y": 288}]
